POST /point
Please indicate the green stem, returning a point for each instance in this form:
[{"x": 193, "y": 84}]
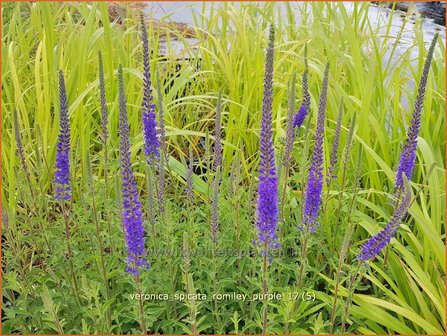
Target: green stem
[
  {"x": 140, "y": 305},
  {"x": 69, "y": 251}
]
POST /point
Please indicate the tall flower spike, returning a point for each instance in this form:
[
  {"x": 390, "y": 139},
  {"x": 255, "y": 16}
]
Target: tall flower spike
[
  {"x": 267, "y": 206},
  {"x": 103, "y": 101},
  {"x": 290, "y": 130},
  {"x": 62, "y": 174},
  {"x": 217, "y": 167},
  {"x": 132, "y": 214},
  {"x": 304, "y": 107},
  {"x": 19, "y": 143},
  {"x": 218, "y": 138},
  {"x": 312, "y": 200},
  {"x": 151, "y": 145},
  {"x": 376, "y": 243},
  {"x": 408, "y": 155},
  {"x": 164, "y": 150},
  {"x": 334, "y": 150}
]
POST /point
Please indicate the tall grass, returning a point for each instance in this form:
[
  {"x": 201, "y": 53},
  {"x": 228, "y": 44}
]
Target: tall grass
[{"x": 407, "y": 296}]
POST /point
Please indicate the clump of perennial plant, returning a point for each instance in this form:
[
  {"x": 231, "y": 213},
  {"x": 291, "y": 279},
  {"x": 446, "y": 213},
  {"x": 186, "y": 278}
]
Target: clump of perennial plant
[
  {"x": 312, "y": 201},
  {"x": 62, "y": 174},
  {"x": 408, "y": 155},
  {"x": 151, "y": 144},
  {"x": 132, "y": 214},
  {"x": 267, "y": 206}
]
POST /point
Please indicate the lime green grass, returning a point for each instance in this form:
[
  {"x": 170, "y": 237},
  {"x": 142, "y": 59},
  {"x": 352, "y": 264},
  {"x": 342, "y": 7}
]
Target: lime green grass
[{"x": 402, "y": 291}]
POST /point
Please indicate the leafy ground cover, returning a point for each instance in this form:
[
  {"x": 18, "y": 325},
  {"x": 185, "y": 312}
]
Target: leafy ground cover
[{"x": 218, "y": 130}]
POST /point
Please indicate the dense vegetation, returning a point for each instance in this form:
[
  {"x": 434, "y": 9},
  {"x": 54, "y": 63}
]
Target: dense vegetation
[{"x": 64, "y": 257}]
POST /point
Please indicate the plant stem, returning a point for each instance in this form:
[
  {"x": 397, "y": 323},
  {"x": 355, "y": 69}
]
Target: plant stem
[
  {"x": 300, "y": 273},
  {"x": 106, "y": 184},
  {"x": 140, "y": 305},
  {"x": 283, "y": 198},
  {"x": 350, "y": 294},
  {"x": 101, "y": 253},
  {"x": 264, "y": 289},
  {"x": 69, "y": 252}
]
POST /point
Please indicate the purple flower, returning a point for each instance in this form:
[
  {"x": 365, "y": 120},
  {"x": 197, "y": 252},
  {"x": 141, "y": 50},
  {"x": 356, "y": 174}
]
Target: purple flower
[
  {"x": 267, "y": 206},
  {"x": 217, "y": 167},
  {"x": 151, "y": 144},
  {"x": 334, "y": 150},
  {"x": 103, "y": 101},
  {"x": 132, "y": 214},
  {"x": 304, "y": 107},
  {"x": 62, "y": 174},
  {"x": 312, "y": 200},
  {"x": 408, "y": 155},
  {"x": 376, "y": 243}
]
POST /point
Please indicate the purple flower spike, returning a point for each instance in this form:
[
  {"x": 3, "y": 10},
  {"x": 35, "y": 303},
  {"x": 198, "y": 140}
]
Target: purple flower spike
[
  {"x": 62, "y": 175},
  {"x": 218, "y": 135},
  {"x": 312, "y": 200},
  {"x": 132, "y": 214},
  {"x": 376, "y": 243},
  {"x": 334, "y": 150},
  {"x": 304, "y": 107},
  {"x": 408, "y": 155},
  {"x": 217, "y": 176},
  {"x": 267, "y": 206},
  {"x": 103, "y": 101},
  {"x": 151, "y": 144}
]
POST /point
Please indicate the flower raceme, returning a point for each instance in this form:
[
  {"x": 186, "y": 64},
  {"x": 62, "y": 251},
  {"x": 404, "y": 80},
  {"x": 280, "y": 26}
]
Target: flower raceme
[
  {"x": 151, "y": 143},
  {"x": 62, "y": 174},
  {"x": 408, "y": 155},
  {"x": 376, "y": 243},
  {"x": 267, "y": 206},
  {"x": 132, "y": 214},
  {"x": 312, "y": 201},
  {"x": 304, "y": 107},
  {"x": 217, "y": 176}
]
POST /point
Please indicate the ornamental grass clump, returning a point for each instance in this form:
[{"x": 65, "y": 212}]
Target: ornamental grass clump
[
  {"x": 131, "y": 206},
  {"x": 408, "y": 155}
]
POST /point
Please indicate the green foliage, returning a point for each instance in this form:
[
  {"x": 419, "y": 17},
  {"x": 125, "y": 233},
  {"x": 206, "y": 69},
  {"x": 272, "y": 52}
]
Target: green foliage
[{"x": 401, "y": 291}]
